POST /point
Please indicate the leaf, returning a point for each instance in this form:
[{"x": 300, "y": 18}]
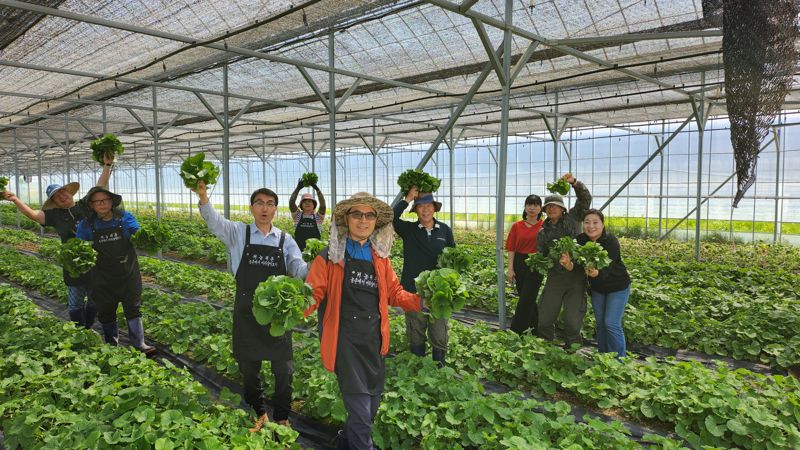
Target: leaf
[{"x": 713, "y": 427}]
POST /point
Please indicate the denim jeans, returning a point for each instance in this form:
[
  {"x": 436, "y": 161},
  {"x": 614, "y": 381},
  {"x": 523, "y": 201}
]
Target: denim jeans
[
  {"x": 75, "y": 296},
  {"x": 608, "y": 310}
]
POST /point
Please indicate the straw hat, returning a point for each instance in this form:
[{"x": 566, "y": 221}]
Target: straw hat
[
  {"x": 53, "y": 189},
  {"x": 385, "y": 212}
]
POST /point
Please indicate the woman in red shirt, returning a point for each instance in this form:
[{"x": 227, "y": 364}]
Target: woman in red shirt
[{"x": 520, "y": 243}]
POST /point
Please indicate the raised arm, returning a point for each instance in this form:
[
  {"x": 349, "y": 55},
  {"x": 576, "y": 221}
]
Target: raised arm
[
  {"x": 108, "y": 162},
  {"x": 225, "y": 230},
  {"x": 35, "y": 215},
  {"x": 293, "y": 197},
  {"x": 322, "y": 207}
]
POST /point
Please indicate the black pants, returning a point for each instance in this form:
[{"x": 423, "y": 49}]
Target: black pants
[
  {"x": 361, "y": 410},
  {"x": 254, "y": 390},
  {"x": 528, "y": 282}
]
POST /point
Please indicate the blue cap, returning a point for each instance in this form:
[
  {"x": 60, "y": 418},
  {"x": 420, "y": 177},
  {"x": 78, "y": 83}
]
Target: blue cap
[{"x": 426, "y": 198}]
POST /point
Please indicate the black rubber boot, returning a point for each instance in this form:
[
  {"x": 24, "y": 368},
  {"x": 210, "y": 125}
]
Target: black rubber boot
[
  {"x": 111, "y": 333},
  {"x": 77, "y": 317},
  {"x": 418, "y": 350},
  {"x": 438, "y": 356},
  {"x": 89, "y": 314}
]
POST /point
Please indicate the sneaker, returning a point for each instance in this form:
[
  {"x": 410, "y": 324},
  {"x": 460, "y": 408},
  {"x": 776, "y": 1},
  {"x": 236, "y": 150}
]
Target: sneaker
[{"x": 262, "y": 419}]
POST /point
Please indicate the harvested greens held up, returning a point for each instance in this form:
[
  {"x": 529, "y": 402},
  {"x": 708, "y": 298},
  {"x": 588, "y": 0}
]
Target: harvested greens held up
[
  {"x": 280, "y": 301},
  {"x": 442, "y": 291},
  {"x": 3, "y": 183},
  {"x": 593, "y": 256},
  {"x": 309, "y": 179},
  {"x": 313, "y": 247},
  {"x": 195, "y": 168},
  {"x": 418, "y": 178},
  {"x": 151, "y": 237},
  {"x": 539, "y": 263},
  {"x": 106, "y": 145},
  {"x": 559, "y": 187},
  {"x": 456, "y": 258},
  {"x": 77, "y": 257}
]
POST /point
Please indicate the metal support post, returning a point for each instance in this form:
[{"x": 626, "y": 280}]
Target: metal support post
[
  {"x": 156, "y": 156},
  {"x": 700, "y": 115},
  {"x": 226, "y": 166},
  {"x": 776, "y": 225},
  {"x": 661, "y": 187},
  {"x": 501, "y": 169},
  {"x": 332, "y": 119},
  {"x": 66, "y": 147}
]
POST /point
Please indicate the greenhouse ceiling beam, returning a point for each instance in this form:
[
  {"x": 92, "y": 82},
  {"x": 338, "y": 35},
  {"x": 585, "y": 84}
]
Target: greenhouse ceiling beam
[
  {"x": 224, "y": 47},
  {"x": 636, "y": 37},
  {"x": 148, "y": 83},
  {"x": 648, "y": 161},
  {"x": 453, "y": 7}
]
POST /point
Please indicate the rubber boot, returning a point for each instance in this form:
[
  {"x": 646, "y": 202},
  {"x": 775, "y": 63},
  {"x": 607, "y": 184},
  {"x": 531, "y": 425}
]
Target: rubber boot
[
  {"x": 136, "y": 335},
  {"x": 341, "y": 441},
  {"x": 438, "y": 356},
  {"x": 418, "y": 349},
  {"x": 110, "y": 333},
  {"x": 77, "y": 317},
  {"x": 89, "y": 314}
]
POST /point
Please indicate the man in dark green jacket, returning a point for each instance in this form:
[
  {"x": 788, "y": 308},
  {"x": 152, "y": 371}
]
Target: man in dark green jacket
[
  {"x": 566, "y": 282},
  {"x": 423, "y": 241}
]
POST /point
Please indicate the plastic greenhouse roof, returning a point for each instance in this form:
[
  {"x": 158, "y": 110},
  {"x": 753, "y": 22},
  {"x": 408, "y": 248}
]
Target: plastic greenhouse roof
[{"x": 84, "y": 68}]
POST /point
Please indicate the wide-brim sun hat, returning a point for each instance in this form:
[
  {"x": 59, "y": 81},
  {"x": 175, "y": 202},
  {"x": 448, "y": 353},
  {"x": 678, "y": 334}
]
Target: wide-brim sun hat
[
  {"x": 425, "y": 199},
  {"x": 53, "y": 189},
  {"x": 554, "y": 199},
  {"x": 385, "y": 212},
  {"x": 308, "y": 197},
  {"x": 116, "y": 199}
]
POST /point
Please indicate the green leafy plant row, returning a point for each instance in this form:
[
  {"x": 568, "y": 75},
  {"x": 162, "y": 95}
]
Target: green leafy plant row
[{"x": 62, "y": 388}]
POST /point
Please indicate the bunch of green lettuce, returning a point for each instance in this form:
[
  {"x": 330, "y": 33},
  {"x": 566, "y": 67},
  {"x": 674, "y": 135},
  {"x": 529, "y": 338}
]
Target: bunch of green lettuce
[
  {"x": 418, "y": 178},
  {"x": 309, "y": 179},
  {"x": 3, "y": 183},
  {"x": 593, "y": 256},
  {"x": 443, "y": 291},
  {"x": 195, "y": 169},
  {"x": 537, "y": 262},
  {"x": 566, "y": 244},
  {"x": 456, "y": 258},
  {"x": 77, "y": 257},
  {"x": 280, "y": 301},
  {"x": 151, "y": 237},
  {"x": 313, "y": 247},
  {"x": 559, "y": 187},
  {"x": 106, "y": 145}
]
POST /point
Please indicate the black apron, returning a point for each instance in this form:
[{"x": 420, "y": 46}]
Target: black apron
[
  {"x": 359, "y": 367},
  {"x": 252, "y": 341},
  {"x": 117, "y": 268},
  {"x": 305, "y": 229}
]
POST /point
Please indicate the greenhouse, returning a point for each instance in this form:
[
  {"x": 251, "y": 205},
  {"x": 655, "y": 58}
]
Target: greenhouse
[{"x": 425, "y": 144}]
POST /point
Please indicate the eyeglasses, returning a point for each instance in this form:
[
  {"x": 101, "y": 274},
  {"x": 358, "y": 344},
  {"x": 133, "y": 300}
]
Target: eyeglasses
[
  {"x": 358, "y": 215},
  {"x": 263, "y": 204},
  {"x": 101, "y": 201}
]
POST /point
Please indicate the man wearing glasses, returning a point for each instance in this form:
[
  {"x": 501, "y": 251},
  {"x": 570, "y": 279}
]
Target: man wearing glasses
[
  {"x": 60, "y": 212},
  {"x": 256, "y": 252}
]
